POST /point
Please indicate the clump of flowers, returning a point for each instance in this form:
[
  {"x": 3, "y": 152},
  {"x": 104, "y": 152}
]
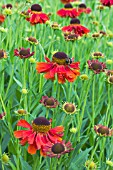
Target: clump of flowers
[
  {"x": 36, "y": 16},
  {"x": 68, "y": 11},
  {"x": 23, "y": 53},
  {"x": 57, "y": 149},
  {"x": 39, "y": 134},
  {"x": 103, "y": 130},
  {"x": 69, "y": 108},
  {"x": 76, "y": 27},
  {"x": 61, "y": 65},
  {"x": 96, "y": 66},
  {"x": 49, "y": 102}
]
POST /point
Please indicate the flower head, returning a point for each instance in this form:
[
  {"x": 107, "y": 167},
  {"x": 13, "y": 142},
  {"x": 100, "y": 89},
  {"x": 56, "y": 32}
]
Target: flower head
[
  {"x": 76, "y": 27},
  {"x": 83, "y": 9},
  {"x": 68, "y": 11},
  {"x": 61, "y": 65},
  {"x": 2, "y": 54},
  {"x": 21, "y": 112},
  {"x": 32, "y": 40},
  {"x": 66, "y": 1},
  {"x": 73, "y": 130},
  {"x": 5, "y": 158},
  {"x": 97, "y": 55},
  {"x": 107, "y": 2},
  {"x": 110, "y": 79},
  {"x": 38, "y": 134},
  {"x": 103, "y": 130},
  {"x": 2, "y": 18},
  {"x": 110, "y": 163},
  {"x": 23, "y": 53},
  {"x": 71, "y": 36},
  {"x": 69, "y": 108},
  {"x": 2, "y": 115},
  {"x": 57, "y": 149},
  {"x": 91, "y": 165},
  {"x": 36, "y": 16},
  {"x": 96, "y": 66},
  {"x": 49, "y": 102}
]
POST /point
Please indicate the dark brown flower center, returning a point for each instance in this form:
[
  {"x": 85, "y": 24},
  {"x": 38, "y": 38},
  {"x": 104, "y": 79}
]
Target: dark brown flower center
[
  {"x": 24, "y": 52},
  {"x": 97, "y": 54},
  {"x": 49, "y": 102},
  {"x": 58, "y": 148},
  {"x": 82, "y": 6},
  {"x": 103, "y": 130},
  {"x": 32, "y": 39},
  {"x": 69, "y": 107},
  {"x": 36, "y": 7},
  {"x": 75, "y": 21},
  {"x": 96, "y": 66},
  {"x": 41, "y": 125},
  {"x": 1, "y": 54},
  {"x": 60, "y": 58},
  {"x": 9, "y": 6},
  {"x": 68, "y": 6},
  {"x": 21, "y": 111},
  {"x": 111, "y": 79}
]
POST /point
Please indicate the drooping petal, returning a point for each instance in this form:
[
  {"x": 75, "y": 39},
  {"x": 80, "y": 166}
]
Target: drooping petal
[
  {"x": 23, "y": 123},
  {"x": 18, "y": 133},
  {"x": 43, "y": 67},
  {"x": 32, "y": 149}
]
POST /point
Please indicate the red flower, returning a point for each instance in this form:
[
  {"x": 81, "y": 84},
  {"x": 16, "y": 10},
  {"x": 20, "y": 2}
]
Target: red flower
[
  {"x": 23, "y": 53},
  {"x": 76, "y": 27},
  {"x": 36, "y": 16},
  {"x": 38, "y": 134},
  {"x": 57, "y": 149},
  {"x": 68, "y": 11},
  {"x": 83, "y": 9},
  {"x": 2, "y": 18},
  {"x": 107, "y": 2},
  {"x": 49, "y": 102},
  {"x": 96, "y": 66},
  {"x": 66, "y": 1},
  {"x": 61, "y": 65}
]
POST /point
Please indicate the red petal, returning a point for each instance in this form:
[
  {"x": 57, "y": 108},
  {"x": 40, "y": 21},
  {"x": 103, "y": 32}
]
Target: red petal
[
  {"x": 43, "y": 67},
  {"x": 18, "y": 133},
  {"x": 75, "y": 65},
  {"x": 32, "y": 149},
  {"x": 23, "y": 123},
  {"x": 61, "y": 78},
  {"x": 31, "y": 138},
  {"x": 23, "y": 141}
]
